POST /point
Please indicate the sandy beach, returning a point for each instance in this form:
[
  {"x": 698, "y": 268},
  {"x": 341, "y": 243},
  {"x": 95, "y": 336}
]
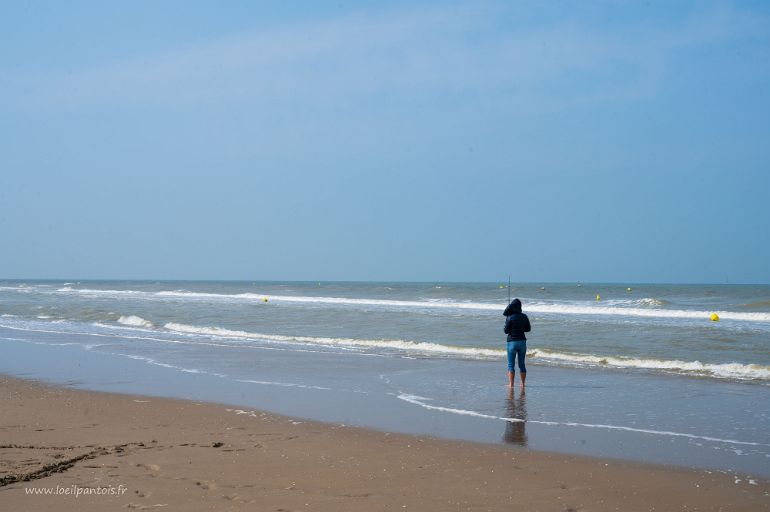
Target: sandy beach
[{"x": 65, "y": 449}]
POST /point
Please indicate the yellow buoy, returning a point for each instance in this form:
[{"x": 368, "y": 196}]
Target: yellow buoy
[
  {"x": 629, "y": 289},
  {"x": 265, "y": 299},
  {"x": 598, "y": 297},
  {"x": 714, "y": 317},
  {"x": 502, "y": 286}
]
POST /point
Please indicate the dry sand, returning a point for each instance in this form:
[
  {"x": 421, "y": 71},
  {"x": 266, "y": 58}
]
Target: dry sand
[{"x": 179, "y": 455}]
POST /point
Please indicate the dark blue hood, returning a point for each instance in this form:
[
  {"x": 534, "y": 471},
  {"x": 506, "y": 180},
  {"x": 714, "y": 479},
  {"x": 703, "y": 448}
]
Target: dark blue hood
[{"x": 513, "y": 307}]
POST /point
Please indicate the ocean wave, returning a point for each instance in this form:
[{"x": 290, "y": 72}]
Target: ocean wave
[
  {"x": 134, "y": 321},
  {"x": 651, "y": 302},
  {"x": 642, "y": 308},
  {"x": 733, "y": 370},
  {"x": 584, "y": 310},
  {"x": 376, "y": 347},
  {"x": 403, "y": 345},
  {"x": 644, "y": 302}
]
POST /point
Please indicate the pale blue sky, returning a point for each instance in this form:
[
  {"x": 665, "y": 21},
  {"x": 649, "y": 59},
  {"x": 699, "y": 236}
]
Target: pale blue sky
[{"x": 553, "y": 141}]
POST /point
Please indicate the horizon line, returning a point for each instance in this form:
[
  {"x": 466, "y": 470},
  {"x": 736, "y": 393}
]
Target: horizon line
[{"x": 208, "y": 280}]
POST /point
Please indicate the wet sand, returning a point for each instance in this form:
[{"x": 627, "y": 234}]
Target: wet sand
[{"x": 153, "y": 453}]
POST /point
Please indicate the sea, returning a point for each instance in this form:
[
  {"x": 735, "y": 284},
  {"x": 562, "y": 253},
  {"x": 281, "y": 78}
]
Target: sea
[{"x": 667, "y": 373}]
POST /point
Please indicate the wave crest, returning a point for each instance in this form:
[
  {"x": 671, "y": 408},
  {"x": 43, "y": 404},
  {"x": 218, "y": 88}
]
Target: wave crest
[
  {"x": 405, "y": 345},
  {"x": 135, "y": 321},
  {"x": 737, "y": 371},
  {"x": 644, "y": 308},
  {"x": 733, "y": 370}
]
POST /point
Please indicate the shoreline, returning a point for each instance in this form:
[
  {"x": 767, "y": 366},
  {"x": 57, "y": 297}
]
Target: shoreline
[
  {"x": 196, "y": 454},
  {"x": 565, "y": 411}
]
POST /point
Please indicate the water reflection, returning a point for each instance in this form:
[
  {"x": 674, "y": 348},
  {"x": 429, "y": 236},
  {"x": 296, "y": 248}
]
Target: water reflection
[{"x": 516, "y": 431}]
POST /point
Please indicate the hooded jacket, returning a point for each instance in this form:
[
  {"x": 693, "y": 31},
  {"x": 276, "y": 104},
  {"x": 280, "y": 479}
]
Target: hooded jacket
[{"x": 516, "y": 322}]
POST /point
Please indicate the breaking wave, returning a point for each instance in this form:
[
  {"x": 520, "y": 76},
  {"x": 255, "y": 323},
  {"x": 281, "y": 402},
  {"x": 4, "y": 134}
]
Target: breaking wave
[
  {"x": 724, "y": 370},
  {"x": 645, "y": 308},
  {"x": 403, "y": 345},
  {"x": 134, "y": 321},
  {"x": 734, "y": 371}
]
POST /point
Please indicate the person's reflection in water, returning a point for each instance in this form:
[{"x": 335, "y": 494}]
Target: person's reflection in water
[{"x": 516, "y": 431}]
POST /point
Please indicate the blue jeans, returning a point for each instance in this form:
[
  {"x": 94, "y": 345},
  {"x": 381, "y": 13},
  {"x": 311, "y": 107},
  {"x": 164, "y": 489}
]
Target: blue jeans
[{"x": 517, "y": 348}]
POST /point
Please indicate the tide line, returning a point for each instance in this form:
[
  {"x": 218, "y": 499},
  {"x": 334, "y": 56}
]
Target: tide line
[{"x": 420, "y": 400}]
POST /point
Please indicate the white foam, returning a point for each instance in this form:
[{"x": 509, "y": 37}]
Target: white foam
[
  {"x": 404, "y": 345},
  {"x": 732, "y": 370},
  {"x": 646, "y": 302},
  {"x": 152, "y": 361},
  {"x": 651, "y": 302},
  {"x": 24, "y": 326},
  {"x": 282, "y": 384},
  {"x": 723, "y": 370},
  {"x": 124, "y": 328},
  {"x": 419, "y": 400},
  {"x": 584, "y": 310},
  {"x": 649, "y": 307},
  {"x": 134, "y": 321}
]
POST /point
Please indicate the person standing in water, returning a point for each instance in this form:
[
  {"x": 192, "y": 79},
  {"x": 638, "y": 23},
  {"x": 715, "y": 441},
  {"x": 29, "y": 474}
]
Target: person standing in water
[{"x": 516, "y": 324}]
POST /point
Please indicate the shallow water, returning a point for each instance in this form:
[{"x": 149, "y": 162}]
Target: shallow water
[{"x": 643, "y": 375}]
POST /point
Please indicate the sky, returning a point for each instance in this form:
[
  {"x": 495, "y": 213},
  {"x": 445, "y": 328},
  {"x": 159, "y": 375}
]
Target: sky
[{"x": 400, "y": 141}]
